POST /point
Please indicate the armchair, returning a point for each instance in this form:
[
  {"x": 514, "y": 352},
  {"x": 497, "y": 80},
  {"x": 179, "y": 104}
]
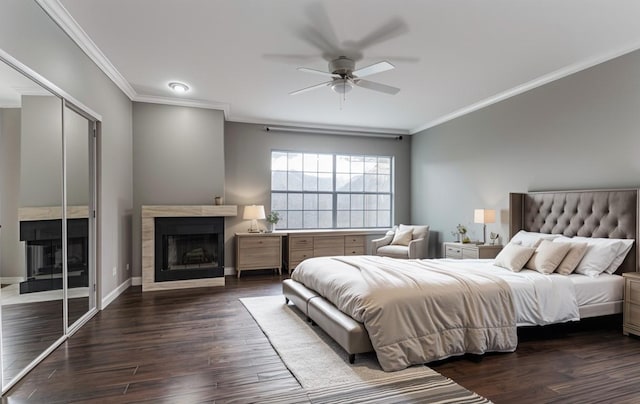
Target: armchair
[{"x": 403, "y": 242}]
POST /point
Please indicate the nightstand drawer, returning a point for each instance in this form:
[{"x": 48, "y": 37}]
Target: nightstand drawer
[
  {"x": 453, "y": 252},
  {"x": 469, "y": 253},
  {"x": 259, "y": 242},
  {"x": 633, "y": 292}
]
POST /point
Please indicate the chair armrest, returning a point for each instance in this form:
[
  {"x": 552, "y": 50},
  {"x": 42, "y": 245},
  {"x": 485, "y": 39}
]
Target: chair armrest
[
  {"x": 377, "y": 243},
  {"x": 418, "y": 248}
]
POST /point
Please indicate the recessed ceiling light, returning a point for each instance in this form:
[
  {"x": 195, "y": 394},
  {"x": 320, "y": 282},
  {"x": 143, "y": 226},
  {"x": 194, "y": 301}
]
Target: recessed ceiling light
[{"x": 179, "y": 87}]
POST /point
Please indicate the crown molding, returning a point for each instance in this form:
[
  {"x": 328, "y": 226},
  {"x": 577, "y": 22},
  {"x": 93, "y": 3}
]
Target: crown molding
[
  {"x": 224, "y": 107},
  {"x": 61, "y": 16},
  {"x": 530, "y": 85}
]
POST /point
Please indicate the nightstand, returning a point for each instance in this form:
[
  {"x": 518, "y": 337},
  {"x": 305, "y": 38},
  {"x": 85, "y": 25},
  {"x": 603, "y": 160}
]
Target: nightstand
[
  {"x": 470, "y": 250},
  {"x": 258, "y": 251},
  {"x": 631, "y": 309}
]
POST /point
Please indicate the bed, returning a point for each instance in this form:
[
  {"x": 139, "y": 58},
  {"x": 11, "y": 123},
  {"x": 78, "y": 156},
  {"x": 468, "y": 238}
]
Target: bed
[{"x": 327, "y": 290}]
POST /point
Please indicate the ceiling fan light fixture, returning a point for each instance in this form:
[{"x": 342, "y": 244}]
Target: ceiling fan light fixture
[
  {"x": 178, "y": 87},
  {"x": 341, "y": 86}
]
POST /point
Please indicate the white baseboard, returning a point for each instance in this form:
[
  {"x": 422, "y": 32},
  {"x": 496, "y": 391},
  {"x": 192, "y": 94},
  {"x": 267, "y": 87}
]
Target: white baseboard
[
  {"x": 115, "y": 293},
  {"x": 10, "y": 280},
  {"x": 229, "y": 271},
  {"x": 136, "y": 280}
]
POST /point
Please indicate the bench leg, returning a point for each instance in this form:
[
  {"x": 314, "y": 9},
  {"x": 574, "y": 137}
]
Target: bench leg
[{"x": 352, "y": 358}]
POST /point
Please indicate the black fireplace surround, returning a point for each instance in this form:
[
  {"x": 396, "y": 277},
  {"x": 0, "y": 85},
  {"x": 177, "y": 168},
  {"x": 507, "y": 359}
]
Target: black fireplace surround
[{"x": 188, "y": 248}]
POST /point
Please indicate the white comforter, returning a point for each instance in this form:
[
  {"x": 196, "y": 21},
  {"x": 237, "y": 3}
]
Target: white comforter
[{"x": 417, "y": 311}]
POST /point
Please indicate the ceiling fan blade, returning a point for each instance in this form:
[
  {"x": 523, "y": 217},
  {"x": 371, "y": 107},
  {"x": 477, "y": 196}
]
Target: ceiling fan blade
[
  {"x": 320, "y": 72},
  {"x": 373, "y": 69},
  {"x": 304, "y": 90},
  {"x": 393, "y": 28},
  {"x": 372, "y": 85}
]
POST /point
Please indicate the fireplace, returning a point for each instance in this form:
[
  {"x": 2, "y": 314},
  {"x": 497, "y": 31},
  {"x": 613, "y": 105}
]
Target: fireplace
[
  {"x": 43, "y": 253},
  {"x": 188, "y": 248}
]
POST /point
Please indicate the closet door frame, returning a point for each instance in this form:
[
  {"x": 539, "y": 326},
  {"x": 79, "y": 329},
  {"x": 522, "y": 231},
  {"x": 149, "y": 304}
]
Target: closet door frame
[{"x": 94, "y": 228}]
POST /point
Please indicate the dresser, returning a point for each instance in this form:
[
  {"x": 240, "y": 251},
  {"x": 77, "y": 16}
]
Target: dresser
[
  {"x": 470, "y": 251},
  {"x": 631, "y": 309},
  {"x": 258, "y": 251},
  {"x": 303, "y": 245}
]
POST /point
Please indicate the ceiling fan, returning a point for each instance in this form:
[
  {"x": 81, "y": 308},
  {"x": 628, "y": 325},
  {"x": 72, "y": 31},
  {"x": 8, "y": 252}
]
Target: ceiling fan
[{"x": 344, "y": 77}]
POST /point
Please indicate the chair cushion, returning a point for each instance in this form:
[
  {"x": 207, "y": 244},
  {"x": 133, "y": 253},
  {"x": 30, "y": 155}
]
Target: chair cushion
[
  {"x": 418, "y": 231},
  {"x": 394, "y": 251},
  {"x": 402, "y": 237}
]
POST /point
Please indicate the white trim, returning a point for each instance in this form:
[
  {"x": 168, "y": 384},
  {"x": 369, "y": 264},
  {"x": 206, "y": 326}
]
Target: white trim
[
  {"x": 115, "y": 293},
  {"x": 70, "y": 26},
  {"x": 136, "y": 281},
  {"x": 10, "y": 280},
  {"x": 540, "y": 81},
  {"x": 183, "y": 103},
  {"x": 230, "y": 271}
]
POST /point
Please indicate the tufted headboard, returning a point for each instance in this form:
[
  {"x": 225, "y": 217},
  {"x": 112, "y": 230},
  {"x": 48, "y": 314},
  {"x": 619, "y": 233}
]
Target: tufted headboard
[{"x": 599, "y": 213}]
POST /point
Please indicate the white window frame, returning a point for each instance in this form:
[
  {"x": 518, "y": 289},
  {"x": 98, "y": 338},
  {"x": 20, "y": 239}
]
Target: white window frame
[{"x": 380, "y": 221}]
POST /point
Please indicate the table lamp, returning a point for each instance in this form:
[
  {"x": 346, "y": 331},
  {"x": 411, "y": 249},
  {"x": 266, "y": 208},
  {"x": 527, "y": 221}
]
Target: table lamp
[
  {"x": 254, "y": 213},
  {"x": 484, "y": 216}
]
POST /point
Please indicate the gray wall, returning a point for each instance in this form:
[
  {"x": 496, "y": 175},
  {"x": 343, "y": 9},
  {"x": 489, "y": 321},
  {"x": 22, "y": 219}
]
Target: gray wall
[
  {"x": 11, "y": 255},
  {"x": 179, "y": 159},
  {"x": 579, "y": 132},
  {"x": 30, "y": 36},
  {"x": 248, "y": 165}
]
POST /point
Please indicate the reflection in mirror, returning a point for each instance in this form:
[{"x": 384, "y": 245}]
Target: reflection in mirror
[
  {"x": 30, "y": 214},
  {"x": 77, "y": 133}
]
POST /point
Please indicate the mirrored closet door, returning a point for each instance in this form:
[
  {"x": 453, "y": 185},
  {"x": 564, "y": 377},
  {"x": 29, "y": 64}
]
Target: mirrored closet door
[{"x": 47, "y": 233}]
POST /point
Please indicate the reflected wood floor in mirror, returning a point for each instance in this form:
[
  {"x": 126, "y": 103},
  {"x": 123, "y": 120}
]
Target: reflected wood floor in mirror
[
  {"x": 201, "y": 345},
  {"x": 30, "y": 328}
]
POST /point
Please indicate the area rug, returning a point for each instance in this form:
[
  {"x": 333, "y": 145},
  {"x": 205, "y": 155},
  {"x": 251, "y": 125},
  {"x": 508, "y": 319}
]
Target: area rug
[{"x": 323, "y": 370}]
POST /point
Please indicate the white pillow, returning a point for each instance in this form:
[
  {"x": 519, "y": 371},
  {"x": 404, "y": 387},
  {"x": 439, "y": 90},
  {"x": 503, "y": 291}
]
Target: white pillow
[
  {"x": 513, "y": 256},
  {"x": 402, "y": 237},
  {"x": 573, "y": 257},
  {"x": 531, "y": 239},
  {"x": 548, "y": 256},
  {"x": 624, "y": 245},
  {"x": 599, "y": 256}
]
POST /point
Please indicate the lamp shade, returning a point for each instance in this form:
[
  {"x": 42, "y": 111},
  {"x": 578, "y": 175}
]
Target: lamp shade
[
  {"x": 253, "y": 212},
  {"x": 484, "y": 216}
]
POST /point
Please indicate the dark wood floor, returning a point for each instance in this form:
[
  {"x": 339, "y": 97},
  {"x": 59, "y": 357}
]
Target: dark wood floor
[{"x": 201, "y": 345}]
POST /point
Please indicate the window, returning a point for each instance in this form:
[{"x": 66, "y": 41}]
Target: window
[{"x": 323, "y": 191}]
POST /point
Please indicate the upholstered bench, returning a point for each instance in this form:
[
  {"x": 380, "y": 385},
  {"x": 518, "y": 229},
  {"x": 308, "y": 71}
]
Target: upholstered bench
[{"x": 351, "y": 335}]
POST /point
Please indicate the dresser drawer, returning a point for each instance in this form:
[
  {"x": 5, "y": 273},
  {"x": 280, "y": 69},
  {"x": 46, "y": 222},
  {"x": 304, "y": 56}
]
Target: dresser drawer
[
  {"x": 297, "y": 243},
  {"x": 453, "y": 252},
  {"x": 353, "y": 241},
  {"x": 259, "y": 242},
  {"x": 354, "y": 250},
  {"x": 328, "y": 252},
  {"x": 300, "y": 255},
  {"x": 323, "y": 243}
]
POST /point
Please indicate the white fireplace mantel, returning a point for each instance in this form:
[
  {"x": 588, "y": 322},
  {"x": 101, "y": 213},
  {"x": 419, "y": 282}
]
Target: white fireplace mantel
[{"x": 149, "y": 213}]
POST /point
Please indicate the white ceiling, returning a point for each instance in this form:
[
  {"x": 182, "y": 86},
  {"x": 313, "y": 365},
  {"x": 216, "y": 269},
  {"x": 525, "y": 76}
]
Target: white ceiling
[{"x": 451, "y": 56}]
